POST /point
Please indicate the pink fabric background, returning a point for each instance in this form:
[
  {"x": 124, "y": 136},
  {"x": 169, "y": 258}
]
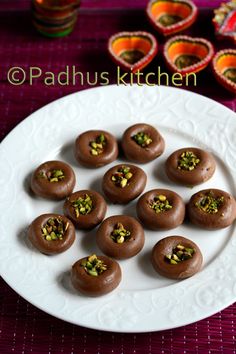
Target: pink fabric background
[
  {"x": 108, "y": 3},
  {"x": 24, "y": 328}
]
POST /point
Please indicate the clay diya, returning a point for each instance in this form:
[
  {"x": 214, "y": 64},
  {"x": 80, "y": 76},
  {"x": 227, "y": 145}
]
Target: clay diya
[
  {"x": 55, "y": 18},
  {"x": 57, "y": 4},
  {"x": 132, "y": 50},
  {"x": 225, "y": 21},
  {"x": 224, "y": 67},
  {"x": 184, "y": 54},
  {"x": 171, "y": 16}
]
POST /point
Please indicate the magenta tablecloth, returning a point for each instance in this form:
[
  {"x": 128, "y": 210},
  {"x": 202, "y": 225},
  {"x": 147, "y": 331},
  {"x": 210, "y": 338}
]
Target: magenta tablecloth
[
  {"x": 101, "y": 4},
  {"x": 24, "y": 328}
]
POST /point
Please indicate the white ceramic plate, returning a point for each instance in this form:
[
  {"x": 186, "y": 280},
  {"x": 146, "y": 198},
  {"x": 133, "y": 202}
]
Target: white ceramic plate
[{"x": 144, "y": 300}]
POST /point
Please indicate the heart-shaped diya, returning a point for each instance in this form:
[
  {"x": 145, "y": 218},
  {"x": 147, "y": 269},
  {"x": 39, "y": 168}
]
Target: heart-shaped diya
[
  {"x": 224, "y": 66},
  {"x": 225, "y": 20},
  {"x": 171, "y": 16},
  {"x": 132, "y": 50},
  {"x": 184, "y": 54}
]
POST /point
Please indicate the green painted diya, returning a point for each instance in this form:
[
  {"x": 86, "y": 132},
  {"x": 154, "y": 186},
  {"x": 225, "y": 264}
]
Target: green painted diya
[
  {"x": 55, "y": 18},
  {"x": 184, "y": 54},
  {"x": 224, "y": 67},
  {"x": 171, "y": 16},
  {"x": 132, "y": 50},
  {"x": 55, "y": 30}
]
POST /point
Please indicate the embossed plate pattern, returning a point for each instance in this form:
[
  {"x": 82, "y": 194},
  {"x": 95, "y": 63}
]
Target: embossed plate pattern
[{"x": 144, "y": 301}]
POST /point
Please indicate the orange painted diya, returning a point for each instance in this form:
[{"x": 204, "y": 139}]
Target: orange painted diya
[
  {"x": 224, "y": 67},
  {"x": 132, "y": 50},
  {"x": 184, "y": 54},
  {"x": 225, "y": 21},
  {"x": 171, "y": 16}
]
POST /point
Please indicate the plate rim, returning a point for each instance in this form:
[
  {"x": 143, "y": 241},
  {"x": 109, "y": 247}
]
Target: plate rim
[{"x": 31, "y": 117}]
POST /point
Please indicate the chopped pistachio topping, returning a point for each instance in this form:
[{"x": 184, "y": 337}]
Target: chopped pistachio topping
[
  {"x": 97, "y": 145},
  {"x": 179, "y": 254},
  {"x": 160, "y": 203},
  {"x": 188, "y": 161},
  {"x": 120, "y": 234},
  {"x": 54, "y": 229},
  {"x": 82, "y": 205},
  {"x": 52, "y": 176},
  {"x": 142, "y": 139},
  {"x": 94, "y": 266},
  {"x": 122, "y": 176},
  {"x": 209, "y": 204}
]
